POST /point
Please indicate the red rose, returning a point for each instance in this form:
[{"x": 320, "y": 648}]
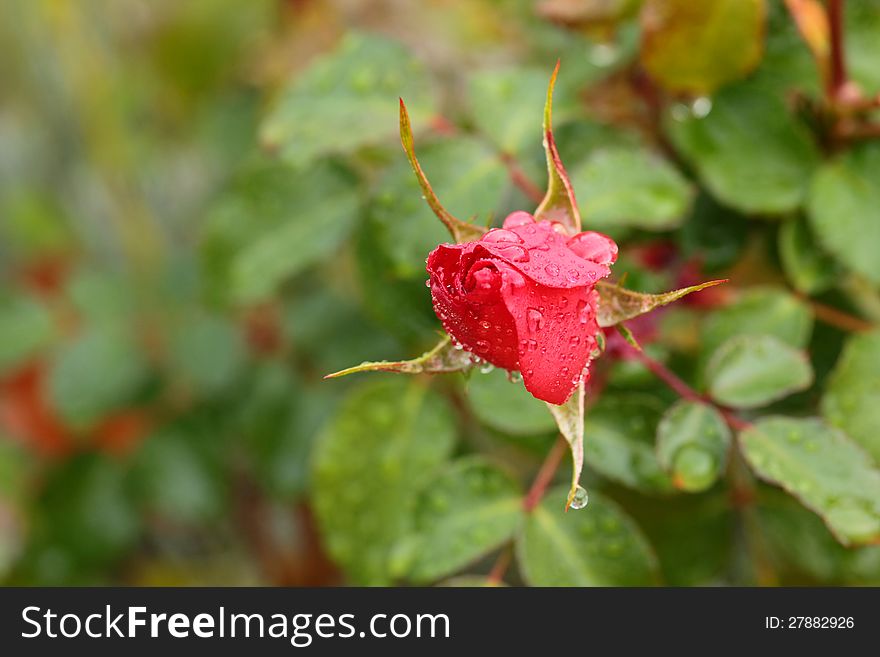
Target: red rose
[{"x": 522, "y": 298}]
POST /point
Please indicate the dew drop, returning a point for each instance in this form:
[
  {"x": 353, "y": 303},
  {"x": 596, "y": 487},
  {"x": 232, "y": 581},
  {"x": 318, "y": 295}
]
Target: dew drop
[
  {"x": 574, "y": 340},
  {"x": 502, "y": 235},
  {"x": 486, "y": 368},
  {"x": 583, "y": 309},
  {"x": 535, "y": 319},
  {"x": 486, "y": 325},
  {"x": 482, "y": 346},
  {"x": 552, "y": 269},
  {"x": 514, "y": 376},
  {"x": 580, "y": 499},
  {"x": 573, "y": 275},
  {"x": 701, "y": 107}
]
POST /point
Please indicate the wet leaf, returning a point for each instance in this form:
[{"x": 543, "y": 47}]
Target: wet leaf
[
  {"x": 468, "y": 510},
  {"x": 852, "y": 393},
  {"x": 375, "y": 455},
  {"x": 823, "y": 468},
  {"x": 692, "y": 444},
  {"x": 596, "y": 546},
  {"x": 752, "y": 371}
]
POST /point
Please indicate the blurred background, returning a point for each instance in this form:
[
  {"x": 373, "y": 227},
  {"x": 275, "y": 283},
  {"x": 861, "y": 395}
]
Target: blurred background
[{"x": 204, "y": 209}]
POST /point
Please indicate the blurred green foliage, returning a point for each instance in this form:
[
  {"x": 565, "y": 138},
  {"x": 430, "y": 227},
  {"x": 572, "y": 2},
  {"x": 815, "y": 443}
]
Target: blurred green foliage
[{"x": 204, "y": 209}]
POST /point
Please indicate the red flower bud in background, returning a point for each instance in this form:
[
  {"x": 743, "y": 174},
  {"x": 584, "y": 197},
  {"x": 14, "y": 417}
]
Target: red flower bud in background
[{"x": 522, "y": 297}]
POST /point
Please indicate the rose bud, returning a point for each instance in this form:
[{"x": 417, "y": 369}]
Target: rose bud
[{"x": 522, "y": 298}]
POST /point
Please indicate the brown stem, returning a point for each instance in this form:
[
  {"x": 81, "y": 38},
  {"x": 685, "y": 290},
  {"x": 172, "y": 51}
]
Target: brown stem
[
  {"x": 839, "y": 319},
  {"x": 684, "y": 390},
  {"x": 838, "y": 77},
  {"x": 545, "y": 474},
  {"x": 520, "y": 179},
  {"x": 496, "y": 575}
]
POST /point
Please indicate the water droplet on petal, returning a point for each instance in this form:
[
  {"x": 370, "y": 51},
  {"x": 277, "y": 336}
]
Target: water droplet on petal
[
  {"x": 583, "y": 309},
  {"x": 580, "y": 499},
  {"x": 552, "y": 269},
  {"x": 574, "y": 340},
  {"x": 482, "y": 346},
  {"x": 486, "y": 325},
  {"x": 535, "y": 319},
  {"x": 502, "y": 235},
  {"x": 519, "y": 218}
]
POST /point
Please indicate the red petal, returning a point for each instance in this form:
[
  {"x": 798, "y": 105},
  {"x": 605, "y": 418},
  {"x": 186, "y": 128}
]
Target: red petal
[
  {"x": 467, "y": 301},
  {"x": 556, "y": 329},
  {"x": 595, "y": 247}
]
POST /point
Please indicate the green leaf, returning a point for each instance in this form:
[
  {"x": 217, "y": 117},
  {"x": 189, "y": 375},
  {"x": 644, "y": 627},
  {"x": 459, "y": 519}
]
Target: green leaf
[
  {"x": 507, "y": 406},
  {"x": 370, "y": 462},
  {"x": 692, "y": 444},
  {"x": 861, "y": 26},
  {"x": 25, "y": 327},
  {"x": 347, "y": 99},
  {"x": 696, "y": 47},
  {"x": 628, "y": 186},
  {"x": 749, "y": 151},
  {"x": 617, "y": 304},
  {"x": 800, "y": 545},
  {"x": 620, "y": 433},
  {"x": 206, "y": 353},
  {"x": 844, "y": 209},
  {"x": 823, "y": 468},
  {"x": 588, "y": 13},
  {"x": 95, "y": 373},
  {"x": 176, "y": 480},
  {"x": 809, "y": 269},
  {"x": 596, "y": 546},
  {"x": 759, "y": 311},
  {"x": 852, "y": 393},
  {"x": 570, "y": 420},
  {"x": 752, "y": 371},
  {"x": 86, "y": 508},
  {"x": 559, "y": 202},
  {"x": 274, "y": 222},
  {"x": 468, "y": 510},
  {"x": 461, "y": 231},
  {"x": 445, "y": 357}
]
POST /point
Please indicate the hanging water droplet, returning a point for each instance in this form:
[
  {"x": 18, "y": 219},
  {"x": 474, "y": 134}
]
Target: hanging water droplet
[
  {"x": 486, "y": 368},
  {"x": 535, "y": 319},
  {"x": 458, "y": 346},
  {"x": 580, "y": 499},
  {"x": 514, "y": 376}
]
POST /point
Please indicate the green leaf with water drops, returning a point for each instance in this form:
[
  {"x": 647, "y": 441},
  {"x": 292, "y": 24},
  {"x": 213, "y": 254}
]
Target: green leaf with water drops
[
  {"x": 751, "y": 371},
  {"x": 445, "y": 357},
  {"x": 596, "y": 546},
  {"x": 800, "y": 546},
  {"x": 695, "y": 47},
  {"x": 852, "y": 393},
  {"x": 620, "y": 433},
  {"x": 347, "y": 99},
  {"x": 460, "y": 230},
  {"x": 809, "y": 269},
  {"x": 844, "y": 209},
  {"x": 500, "y": 401},
  {"x": 617, "y": 304},
  {"x": 759, "y": 311},
  {"x": 692, "y": 444},
  {"x": 273, "y": 222},
  {"x": 388, "y": 438},
  {"x": 570, "y": 420},
  {"x": 466, "y": 511},
  {"x": 827, "y": 471},
  {"x": 559, "y": 203},
  {"x": 25, "y": 327},
  {"x": 632, "y": 187},
  {"x": 749, "y": 151}
]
